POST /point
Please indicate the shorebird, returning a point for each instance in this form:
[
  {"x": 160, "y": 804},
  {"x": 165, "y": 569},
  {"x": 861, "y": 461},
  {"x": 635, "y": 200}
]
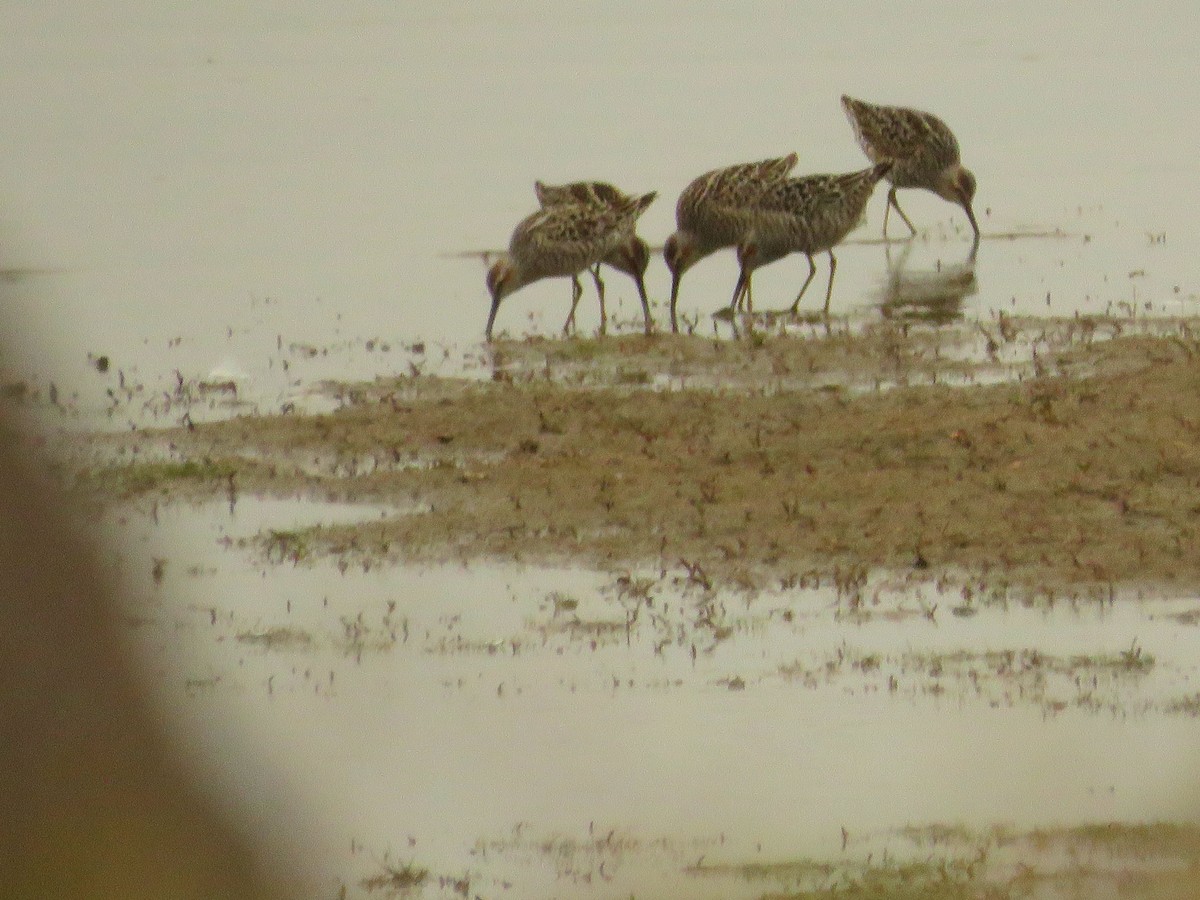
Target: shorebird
[
  {"x": 923, "y": 148},
  {"x": 716, "y": 211},
  {"x": 632, "y": 256},
  {"x": 805, "y": 215},
  {"x": 561, "y": 240}
]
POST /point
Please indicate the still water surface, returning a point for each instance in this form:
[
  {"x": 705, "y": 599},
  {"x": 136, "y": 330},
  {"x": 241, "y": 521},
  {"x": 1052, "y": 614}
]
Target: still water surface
[
  {"x": 207, "y": 188},
  {"x": 453, "y": 705},
  {"x": 268, "y": 190}
]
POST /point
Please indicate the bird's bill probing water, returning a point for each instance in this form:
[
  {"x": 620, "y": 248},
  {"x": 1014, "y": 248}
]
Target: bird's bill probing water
[
  {"x": 499, "y": 282},
  {"x": 491, "y": 319},
  {"x": 964, "y": 190},
  {"x": 971, "y": 216},
  {"x": 676, "y": 277},
  {"x": 975, "y": 243}
]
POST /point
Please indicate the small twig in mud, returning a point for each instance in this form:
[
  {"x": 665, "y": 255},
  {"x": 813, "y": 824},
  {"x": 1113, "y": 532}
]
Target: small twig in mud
[
  {"x": 1133, "y": 659},
  {"x": 849, "y": 582},
  {"x": 395, "y": 878},
  {"x": 990, "y": 347},
  {"x": 1190, "y": 346},
  {"x": 696, "y": 574}
]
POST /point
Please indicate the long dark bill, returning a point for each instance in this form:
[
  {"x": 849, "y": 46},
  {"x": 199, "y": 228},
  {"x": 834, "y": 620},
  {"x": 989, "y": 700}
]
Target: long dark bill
[
  {"x": 971, "y": 216},
  {"x": 491, "y": 319},
  {"x": 675, "y": 279}
]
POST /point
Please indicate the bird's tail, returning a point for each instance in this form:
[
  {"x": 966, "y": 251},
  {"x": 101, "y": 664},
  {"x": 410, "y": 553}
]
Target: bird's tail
[
  {"x": 778, "y": 169},
  {"x": 594, "y": 193},
  {"x": 851, "y": 105},
  {"x": 637, "y": 205},
  {"x": 881, "y": 169}
]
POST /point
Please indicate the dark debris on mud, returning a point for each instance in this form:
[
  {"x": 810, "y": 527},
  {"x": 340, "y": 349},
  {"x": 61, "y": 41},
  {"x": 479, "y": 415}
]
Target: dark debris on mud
[{"x": 755, "y": 460}]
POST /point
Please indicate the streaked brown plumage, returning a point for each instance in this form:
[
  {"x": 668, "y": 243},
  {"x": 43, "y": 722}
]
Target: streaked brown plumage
[
  {"x": 632, "y": 256},
  {"x": 805, "y": 215},
  {"x": 561, "y": 240},
  {"x": 923, "y": 148},
  {"x": 716, "y": 211}
]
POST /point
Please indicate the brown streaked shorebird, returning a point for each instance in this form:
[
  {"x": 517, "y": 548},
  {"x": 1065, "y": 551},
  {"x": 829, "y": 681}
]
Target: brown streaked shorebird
[
  {"x": 716, "y": 211},
  {"x": 923, "y": 148},
  {"x": 561, "y": 240},
  {"x": 805, "y": 215},
  {"x": 632, "y": 256}
]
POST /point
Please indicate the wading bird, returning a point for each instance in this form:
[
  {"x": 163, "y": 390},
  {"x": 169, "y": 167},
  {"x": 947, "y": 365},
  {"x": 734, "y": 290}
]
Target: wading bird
[
  {"x": 923, "y": 148},
  {"x": 810, "y": 214},
  {"x": 632, "y": 256},
  {"x": 716, "y": 211},
  {"x": 561, "y": 240}
]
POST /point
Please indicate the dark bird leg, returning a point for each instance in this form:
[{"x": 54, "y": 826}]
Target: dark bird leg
[
  {"x": 739, "y": 289},
  {"x": 595, "y": 270},
  {"x": 641, "y": 286},
  {"x": 812, "y": 270},
  {"x": 832, "y": 269},
  {"x": 893, "y": 202},
  {"x": 576, "y": 293}
]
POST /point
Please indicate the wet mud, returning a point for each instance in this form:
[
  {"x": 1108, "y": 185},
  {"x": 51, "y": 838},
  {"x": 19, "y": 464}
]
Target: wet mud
[
  {"x": 628, "y": 564},
  {"x": 1046, "y": 456}
]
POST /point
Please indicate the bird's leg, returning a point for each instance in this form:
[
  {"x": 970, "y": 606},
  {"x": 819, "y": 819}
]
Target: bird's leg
[
  {"x": 595, "y": 270},
  {"x": 641, "y": 286},
  {"x": 576, "y": 293},
  {"x": 896, "y": 266},
  {"x": 812, "y": 270},
  {"x": 832, "y": 270},
  {"x": 892, "y": 201},
  {"x": 739, "y": 289},
  {"x": 745, "y": 254}
]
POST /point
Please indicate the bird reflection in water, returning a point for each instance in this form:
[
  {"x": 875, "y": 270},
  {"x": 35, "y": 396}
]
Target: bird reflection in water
[{"x": 932, "y": 296}]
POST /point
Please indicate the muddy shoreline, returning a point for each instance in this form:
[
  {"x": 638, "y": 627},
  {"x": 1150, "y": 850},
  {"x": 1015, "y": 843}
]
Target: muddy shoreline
[
  {"x": 753, "y": 462},
  {"x": 804, "y": 529}
]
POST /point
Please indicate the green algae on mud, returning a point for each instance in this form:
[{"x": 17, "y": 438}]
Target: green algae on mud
[
  {"x": 1154, "y": 861},
  {"x": 1151, "y": 861},
  {"x": 1081, "y": 474}
]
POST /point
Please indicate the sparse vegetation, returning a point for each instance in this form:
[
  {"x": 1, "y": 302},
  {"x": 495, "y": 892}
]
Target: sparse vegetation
[
  {"x": 1147, "y": 862},
  {"x": 161, "y": 477},
  {"x": 277, "y": 638},
  {"x": 395, "y": 878},
  {"x": 746, "y": 466},
  {"x": 866, "y": 465}
]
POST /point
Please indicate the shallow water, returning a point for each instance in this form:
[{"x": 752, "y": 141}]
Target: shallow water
[
  {"x": 501, "y": 705},
  {"x": 228, "y": 189},
  {"x": 277, "y": 195}
]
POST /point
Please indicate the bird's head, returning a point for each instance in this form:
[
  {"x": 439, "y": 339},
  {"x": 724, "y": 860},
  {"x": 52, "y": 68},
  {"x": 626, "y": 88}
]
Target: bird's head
[
  {"x": 501, "y": 281},
  {"x": 958, "y": 186},
  {"x": 637, "y": 256},
  {"x": 679, "y": 252}
]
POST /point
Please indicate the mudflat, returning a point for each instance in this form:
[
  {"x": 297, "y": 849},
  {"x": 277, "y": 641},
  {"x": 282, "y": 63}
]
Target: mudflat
[{"x": 1042, "y": 455}]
